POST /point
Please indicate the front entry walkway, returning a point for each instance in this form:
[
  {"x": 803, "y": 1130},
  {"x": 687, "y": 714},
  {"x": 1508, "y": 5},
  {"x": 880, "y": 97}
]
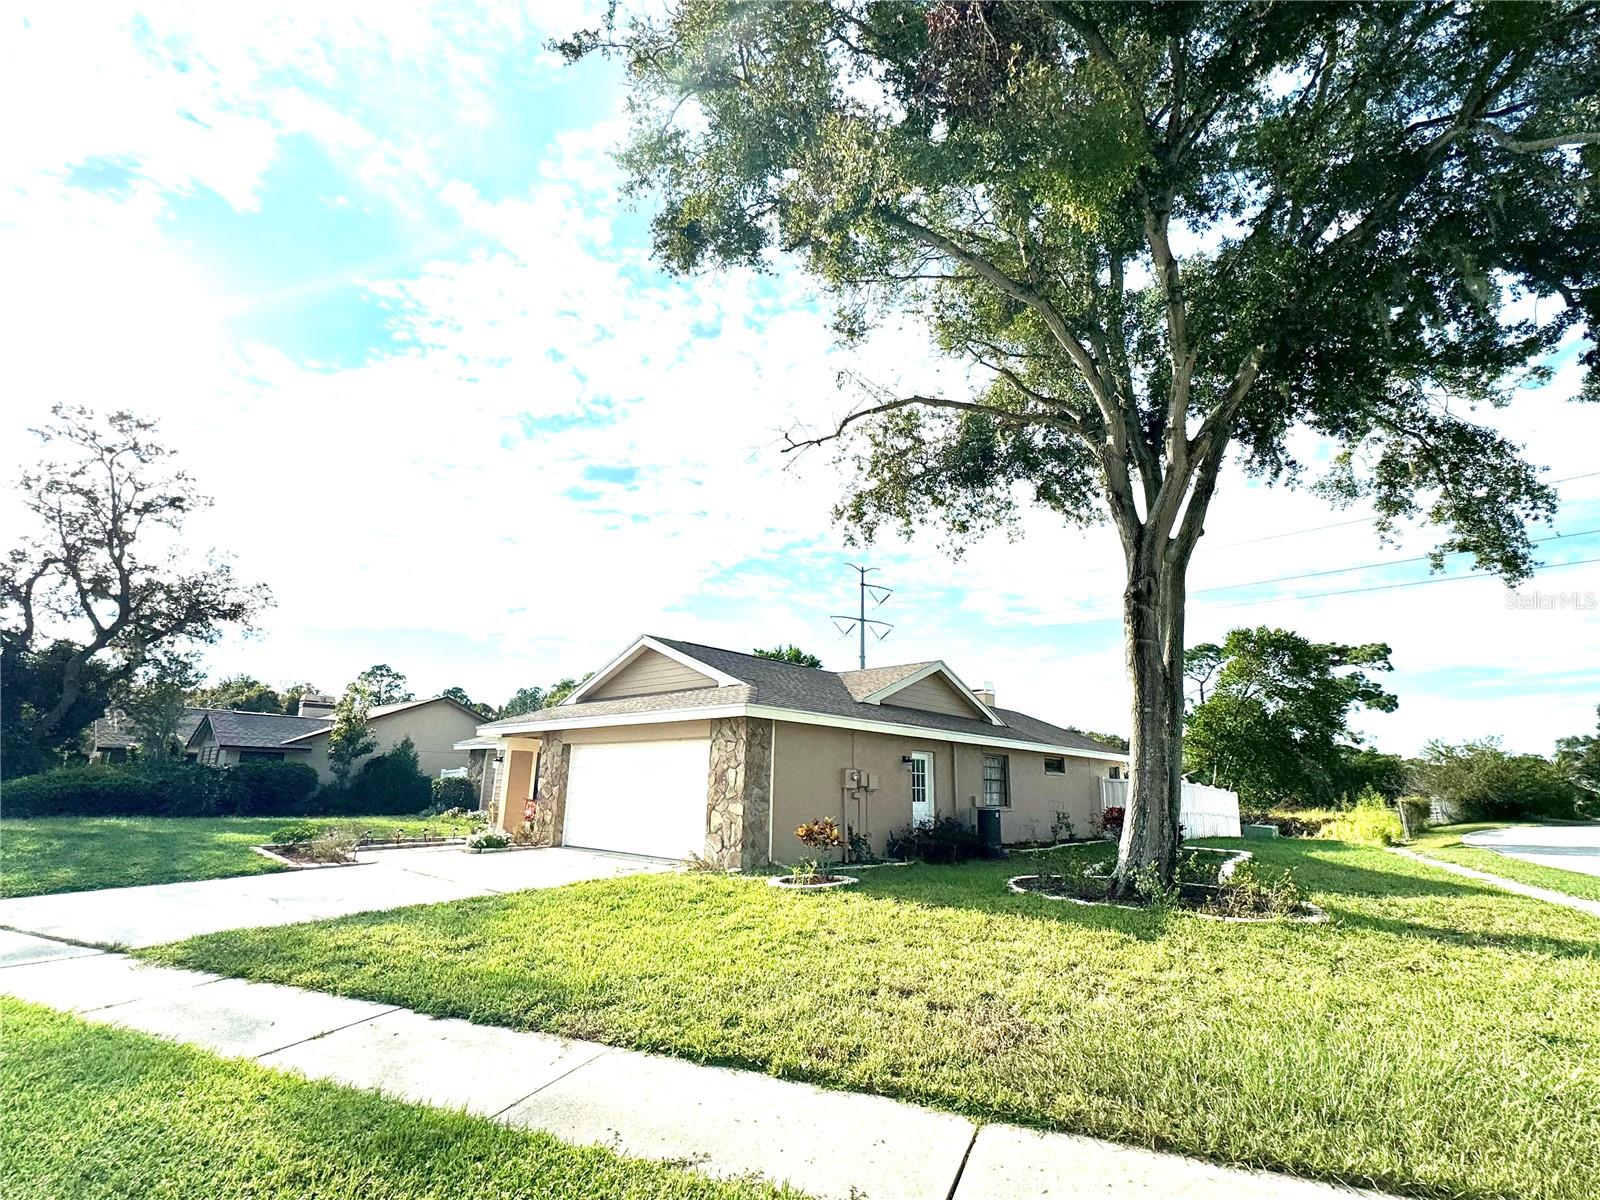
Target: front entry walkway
[
  {"x": 722, "y": 1122},
  {"x": 169, "y": 912}
]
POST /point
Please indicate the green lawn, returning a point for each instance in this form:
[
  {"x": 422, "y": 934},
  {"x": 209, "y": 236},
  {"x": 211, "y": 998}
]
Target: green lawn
[
  {"x": 1441, "y": 1037},
  {"x": 70, "y": 854},
  {"x": 1445, "y": 843},
  {"x": 95, "y": 1113}
]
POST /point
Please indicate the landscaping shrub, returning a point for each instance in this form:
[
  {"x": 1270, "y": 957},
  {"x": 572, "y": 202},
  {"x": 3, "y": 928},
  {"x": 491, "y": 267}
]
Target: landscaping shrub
[
  {"x": 331, "y": 846},
  {"x": 1111, "y": 822},
  {"x": 294, "y": 832},
  {"x": 1371, "y": 822},
  {"x": 488, "y": 839},
  {"x": 387, "y": 784},
  {"x": 270, "y": 788},
  {"x": 457, "y": 792},
  {"x": 947, "y": 840},
  {"x": 1305, "y": 823},
  {"x": 137, "y": 789}
]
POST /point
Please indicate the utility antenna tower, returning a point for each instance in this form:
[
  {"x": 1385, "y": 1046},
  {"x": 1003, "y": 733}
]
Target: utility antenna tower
[{"x": 860, "y": 622}]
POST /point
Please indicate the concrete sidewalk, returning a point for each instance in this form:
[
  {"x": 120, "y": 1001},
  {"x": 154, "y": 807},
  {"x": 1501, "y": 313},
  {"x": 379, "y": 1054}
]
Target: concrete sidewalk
[
  {"x": 383, "y": 879},
  {"x": 722, "y": 1122},
  {"x": 1592, "y": 907}
]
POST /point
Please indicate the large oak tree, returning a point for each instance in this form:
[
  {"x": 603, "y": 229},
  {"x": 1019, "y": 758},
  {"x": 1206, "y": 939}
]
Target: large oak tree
[
  {"x": 102, "y": 585},
  {"x": 1166, "y": 237}
]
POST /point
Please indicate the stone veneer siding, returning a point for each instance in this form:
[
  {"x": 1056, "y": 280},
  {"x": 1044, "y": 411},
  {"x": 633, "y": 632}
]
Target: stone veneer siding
[
  {"x": 548, "y": 818},
  {"x": 739, "y": 793}
]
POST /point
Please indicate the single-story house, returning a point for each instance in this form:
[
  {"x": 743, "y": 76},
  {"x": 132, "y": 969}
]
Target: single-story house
[
  {"x": 112, "y": 737},
  {"x": 676, "y": 749},
  {"x": 224, "y": 738}
]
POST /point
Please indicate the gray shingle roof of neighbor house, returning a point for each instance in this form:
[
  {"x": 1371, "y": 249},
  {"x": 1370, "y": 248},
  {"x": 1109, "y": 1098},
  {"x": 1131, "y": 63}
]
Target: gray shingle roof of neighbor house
[
  {"x": 779, "y": 684},
  {"x": 260, "y": 730},
  {"x": 111, "y": 733}
]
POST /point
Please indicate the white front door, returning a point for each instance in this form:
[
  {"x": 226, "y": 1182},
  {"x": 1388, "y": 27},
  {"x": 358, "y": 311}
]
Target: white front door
[
  {"x": 922, "y": 808},
  {"x": 638, "y": 797}
]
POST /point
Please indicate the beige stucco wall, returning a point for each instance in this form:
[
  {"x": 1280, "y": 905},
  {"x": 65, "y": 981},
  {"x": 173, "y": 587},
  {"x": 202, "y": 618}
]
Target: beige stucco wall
[
  {"x": 433, "y": 729},
  {"x": 807, "y": 760},
  {"x": 1036, "y": 798}
]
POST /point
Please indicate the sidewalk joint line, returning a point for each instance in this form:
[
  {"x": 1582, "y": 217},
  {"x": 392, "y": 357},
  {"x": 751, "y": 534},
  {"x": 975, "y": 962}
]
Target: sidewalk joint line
[
  {"x": 961, "y": 1169},
  {"x": 325, "y": 1032},
  {"x": 603, "y": 1051}
]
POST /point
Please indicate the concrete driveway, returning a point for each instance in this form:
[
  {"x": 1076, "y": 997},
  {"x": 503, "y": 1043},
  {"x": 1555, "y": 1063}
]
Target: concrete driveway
[
  {"x": 167, "y": 912},
  {"x": 1569, "y": 847}
]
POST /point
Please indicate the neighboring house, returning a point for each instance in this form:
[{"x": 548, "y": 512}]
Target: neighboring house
[
  {"x": 112, "y": 737},
  {"x": 225, "y": 738},
  {"x": 675, "y": 749}
]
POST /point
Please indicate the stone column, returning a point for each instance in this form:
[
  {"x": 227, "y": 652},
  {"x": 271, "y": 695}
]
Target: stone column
[
  {"x": 738, "y": 793},
  {"x": 550, "y": 814}
]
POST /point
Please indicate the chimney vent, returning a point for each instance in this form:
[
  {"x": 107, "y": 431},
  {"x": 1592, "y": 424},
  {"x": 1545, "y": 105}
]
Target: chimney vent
[
  {"x": 313, "y": 705},
  {"x": 985, "y": 694}
]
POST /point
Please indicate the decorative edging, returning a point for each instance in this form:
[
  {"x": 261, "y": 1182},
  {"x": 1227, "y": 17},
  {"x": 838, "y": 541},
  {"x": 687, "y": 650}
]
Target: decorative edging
[
  {"x": 788, "y": 884},
  {"x": 294, "y": 864},
  {"x": 411, "y": 845},
  {"x": 1307, "y": 914}
]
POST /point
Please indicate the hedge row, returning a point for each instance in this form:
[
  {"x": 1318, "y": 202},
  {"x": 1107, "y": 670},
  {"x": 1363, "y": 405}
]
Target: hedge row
[{"x": 152, "y": 789}]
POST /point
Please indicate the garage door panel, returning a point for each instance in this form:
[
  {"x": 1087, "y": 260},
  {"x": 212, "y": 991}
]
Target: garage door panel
[{"x": 638, "y": 797}]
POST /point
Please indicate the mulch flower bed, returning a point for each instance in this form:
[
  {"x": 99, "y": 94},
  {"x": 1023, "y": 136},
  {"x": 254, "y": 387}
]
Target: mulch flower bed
[{"x": 819, "y": 882}]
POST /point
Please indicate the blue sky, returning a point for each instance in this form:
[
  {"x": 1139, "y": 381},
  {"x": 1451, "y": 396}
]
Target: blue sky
[{"x": 369, "y": 268}]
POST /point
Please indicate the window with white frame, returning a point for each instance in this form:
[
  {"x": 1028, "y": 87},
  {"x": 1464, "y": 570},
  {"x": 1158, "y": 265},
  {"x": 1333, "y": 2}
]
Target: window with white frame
[
  {"x": 996, "y": 781},
  {"x": 1055, "y": 766}
]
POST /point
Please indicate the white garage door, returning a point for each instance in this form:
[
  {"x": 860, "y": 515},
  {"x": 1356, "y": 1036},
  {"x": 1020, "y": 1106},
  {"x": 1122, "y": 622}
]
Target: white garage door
[{"x": 638, "y": 797}]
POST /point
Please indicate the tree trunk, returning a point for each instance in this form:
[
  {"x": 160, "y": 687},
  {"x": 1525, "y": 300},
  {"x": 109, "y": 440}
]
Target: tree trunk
[{"x": 1153, "y": 633}]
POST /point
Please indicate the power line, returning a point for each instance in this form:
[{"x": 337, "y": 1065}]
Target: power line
[
  {"x": 1385, "y": 587},
  {"x": 861, "y": 622},
  {"x": 1391, "y": 562}
]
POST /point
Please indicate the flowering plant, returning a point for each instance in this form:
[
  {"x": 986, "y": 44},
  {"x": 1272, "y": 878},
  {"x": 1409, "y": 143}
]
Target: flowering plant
[{"x": 1111, "y": 821}]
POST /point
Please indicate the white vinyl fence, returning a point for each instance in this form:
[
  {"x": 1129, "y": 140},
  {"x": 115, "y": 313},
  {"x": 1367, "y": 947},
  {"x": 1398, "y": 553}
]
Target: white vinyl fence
[{"x": 1205, "y": 811}]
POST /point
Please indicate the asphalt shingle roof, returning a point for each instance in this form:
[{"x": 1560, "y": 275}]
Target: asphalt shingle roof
[
  {"x": 115, "y": 733},
  {"x": 779, "y": 684},
  {"x": 257, "y": 730}
]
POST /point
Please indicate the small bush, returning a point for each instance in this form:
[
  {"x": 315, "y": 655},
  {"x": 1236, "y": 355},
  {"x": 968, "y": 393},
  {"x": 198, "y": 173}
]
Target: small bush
[
  {"x": 488, "y": 839},
  {"x": 1251, "y": 890},
  {"x": 331, "y": 846},
  {"x": 270, "y": 788},
  {"x": 1111, "y": 822},
  {"x": 1371, "y": 822},
  {"x": 1303, "y": 823},
  {"x": 456, "y": 792},
  {"x": 947, "y": 840},
  {"x": 294, "y": 833}
]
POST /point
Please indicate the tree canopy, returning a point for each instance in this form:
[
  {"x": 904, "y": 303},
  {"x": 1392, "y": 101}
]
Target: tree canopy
[
  {"x": 244, "y": 693},
  {"x": 790, "y": 654},
  {"x": 103, "y": 583},
  {"x": 531, "y": 699},
  {"x": 1159, "y": 237},
  {"x": 383, "y": 684},
  {"x": 1275, "y": 720}
]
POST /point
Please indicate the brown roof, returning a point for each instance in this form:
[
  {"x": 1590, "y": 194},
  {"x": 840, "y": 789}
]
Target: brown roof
[{"x": 779, "y": 684}]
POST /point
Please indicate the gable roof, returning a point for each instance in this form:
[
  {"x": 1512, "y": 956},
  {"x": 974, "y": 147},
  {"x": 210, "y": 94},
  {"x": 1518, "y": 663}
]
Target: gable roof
[
  {"x": 252, "y": 730},
  {"x": 386, "y": 710},
  {"x": 765, "y": 683},
  {"x": 116, "y": 733}
]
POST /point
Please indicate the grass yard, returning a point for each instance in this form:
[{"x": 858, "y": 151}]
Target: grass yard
[
  {"x": 1440, "y": 1037},
  {"x": 70, "y": 854},
  {"x": 104, "y": 1114},
  {"x": 1445, "y": 843}
]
